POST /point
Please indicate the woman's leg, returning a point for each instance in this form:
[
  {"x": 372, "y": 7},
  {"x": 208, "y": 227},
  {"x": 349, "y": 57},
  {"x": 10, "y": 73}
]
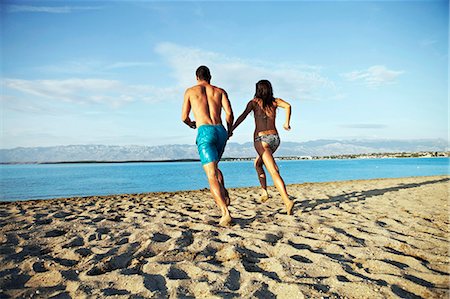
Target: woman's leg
[
  {"x": 222, "y": 184},
  {"x": 264, "y": 151},
  {"x": 262, "y": 178}
]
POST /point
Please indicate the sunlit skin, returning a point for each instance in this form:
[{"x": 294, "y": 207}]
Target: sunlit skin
[
  {"x": 265, "y": 125},
  {"x": 206, "y": 103}
]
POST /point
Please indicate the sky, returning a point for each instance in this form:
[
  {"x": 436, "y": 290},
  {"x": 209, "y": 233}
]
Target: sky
[{"x": 115, "y": 72}]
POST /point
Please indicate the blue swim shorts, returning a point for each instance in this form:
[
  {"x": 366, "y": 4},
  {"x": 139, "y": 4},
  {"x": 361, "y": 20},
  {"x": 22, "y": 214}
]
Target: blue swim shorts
[{"x": 211, "y": 140}]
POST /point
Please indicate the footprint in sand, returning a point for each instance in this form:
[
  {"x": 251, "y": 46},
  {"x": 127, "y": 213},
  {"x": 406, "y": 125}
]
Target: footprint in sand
[
  {"x": 39, "y": 267},
  {"x": 263, "y": 292},
  {"x": 123, "y": 241},
  {"x": 75, "y": 242},
  {"x": 233, "y": 280},
  {"x": 301, "y": 259},
  {"x": 158, "y": 237},
  {"x": 342, "y": 278},
  {"x": 84, "y": 252},
  {"x": 111, "y": 264},
  {"x": 65, "y": 262},
  {"x": 176, "y": 273},
  {"x": 43, "y": 221},
  {"x": 70, "y": 275},
  {"x": 12, "y": 238},
  {"x": 114, "y": 292},
  {"x": 156, "y": 283},
  {"x": 34, "y": 250},
  {"x": 186, "y": 239},
  {"x": 55, "y": 233},
  {"x": 98, "y": 219},
  {"x": 61, "y": 214},
  {"x": 273, "y": 239}
]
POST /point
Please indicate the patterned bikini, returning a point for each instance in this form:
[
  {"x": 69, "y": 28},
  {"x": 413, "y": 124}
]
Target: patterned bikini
[{"x": 273, "y": 140}]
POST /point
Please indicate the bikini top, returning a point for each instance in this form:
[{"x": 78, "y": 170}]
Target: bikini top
[{"x": 261, "y": 113}]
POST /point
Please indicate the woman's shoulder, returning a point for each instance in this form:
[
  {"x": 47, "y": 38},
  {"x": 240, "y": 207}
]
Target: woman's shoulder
[
  {"x": 254, "y": 102},
  {"x": 282, "y": 103}
]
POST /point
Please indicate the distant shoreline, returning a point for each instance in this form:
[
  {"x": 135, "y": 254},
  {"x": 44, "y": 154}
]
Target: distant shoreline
[{"x": 284, "y": 158}]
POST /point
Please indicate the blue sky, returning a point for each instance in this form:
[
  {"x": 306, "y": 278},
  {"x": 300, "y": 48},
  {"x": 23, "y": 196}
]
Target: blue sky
[{"x": 114, "y": 72}]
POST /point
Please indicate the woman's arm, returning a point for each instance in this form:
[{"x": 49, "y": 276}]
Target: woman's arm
[
  {"x": 287, "y": 106},
  {"x": 244, "y": 114}
]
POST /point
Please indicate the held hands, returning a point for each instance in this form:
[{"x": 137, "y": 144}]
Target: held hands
[
  {"x": 230, "y": 133},
  {"x": 287, "y": 127}
]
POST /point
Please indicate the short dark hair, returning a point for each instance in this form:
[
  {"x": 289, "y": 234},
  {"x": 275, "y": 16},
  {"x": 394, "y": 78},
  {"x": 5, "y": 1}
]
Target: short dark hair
[{"x": 203, "y": 73}]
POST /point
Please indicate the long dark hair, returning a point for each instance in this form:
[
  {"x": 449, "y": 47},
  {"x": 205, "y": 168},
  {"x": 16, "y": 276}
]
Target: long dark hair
[{"x": 265, "y": 93}]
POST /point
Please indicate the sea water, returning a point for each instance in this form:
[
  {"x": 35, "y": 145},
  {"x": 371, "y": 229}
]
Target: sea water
[{"x": 44, "y": 181}]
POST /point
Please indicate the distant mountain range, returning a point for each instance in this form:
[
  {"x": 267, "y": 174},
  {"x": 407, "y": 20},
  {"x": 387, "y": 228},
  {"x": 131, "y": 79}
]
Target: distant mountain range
[{"x": 71, "y": 153}]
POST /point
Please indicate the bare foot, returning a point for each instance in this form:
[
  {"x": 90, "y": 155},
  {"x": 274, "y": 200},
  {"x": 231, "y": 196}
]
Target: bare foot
[
  {"x": 289, "y": 207},
  {"x": 265, "y": 196},
  {"x": 225, "y": 220}
]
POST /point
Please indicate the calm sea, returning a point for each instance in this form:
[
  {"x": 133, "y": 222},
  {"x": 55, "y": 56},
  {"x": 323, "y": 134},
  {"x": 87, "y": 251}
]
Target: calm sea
[{"x": 38, "y": 181}]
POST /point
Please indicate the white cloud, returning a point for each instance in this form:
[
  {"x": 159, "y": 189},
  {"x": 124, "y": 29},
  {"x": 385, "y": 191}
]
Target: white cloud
[
  {"x": 119, "y": 65},
  {"x": 364, "y": 126},
  {"x": 239, "y": 76},
  {"x": 24, "y": 105},
  {"x": 88, "y": 91},
  {"x": 236, "y": 75},
  {"x": 91, "y": 67},
  {"x": 374, "y": 76},
  {"x": 48, "y": 9}
]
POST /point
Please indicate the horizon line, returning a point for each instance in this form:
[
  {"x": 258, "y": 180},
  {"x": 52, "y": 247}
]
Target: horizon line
[
  {"x": 373, "y": 155},
  {"x": 231, "y": 142}
]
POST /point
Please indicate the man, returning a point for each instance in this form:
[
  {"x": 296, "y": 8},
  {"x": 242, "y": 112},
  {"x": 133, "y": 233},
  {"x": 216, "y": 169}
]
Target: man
[{"x": 206, "y": 102}]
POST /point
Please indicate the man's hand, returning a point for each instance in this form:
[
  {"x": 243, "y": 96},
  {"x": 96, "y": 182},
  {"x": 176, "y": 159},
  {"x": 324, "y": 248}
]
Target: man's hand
[
  {"x": 287, "y": 127},
  {"x": 193, "y": 125}
]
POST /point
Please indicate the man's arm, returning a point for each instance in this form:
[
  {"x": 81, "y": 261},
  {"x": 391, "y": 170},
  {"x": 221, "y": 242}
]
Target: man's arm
[
  {"x": 244, "y": 114},
  {"x": 186, "y": 110},
  {"x": 287, "y": 106},
  {"x": 229, "y": 117}
]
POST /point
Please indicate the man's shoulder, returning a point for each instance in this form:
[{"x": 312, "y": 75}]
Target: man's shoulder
[
  {"x": 192, "y": 89},
  {"x": 219, "y": 89}
]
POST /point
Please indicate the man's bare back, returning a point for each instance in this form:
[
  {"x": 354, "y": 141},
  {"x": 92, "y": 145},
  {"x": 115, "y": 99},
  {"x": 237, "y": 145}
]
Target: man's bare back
[{"x": 206, "y": 102}]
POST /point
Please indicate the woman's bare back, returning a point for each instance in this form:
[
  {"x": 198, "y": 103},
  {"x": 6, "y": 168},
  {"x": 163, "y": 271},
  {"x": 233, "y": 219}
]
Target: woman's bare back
[{"x": 264, "y": 120}]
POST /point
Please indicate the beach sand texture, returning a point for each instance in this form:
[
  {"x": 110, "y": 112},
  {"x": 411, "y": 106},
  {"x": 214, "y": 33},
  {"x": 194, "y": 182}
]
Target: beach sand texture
[{"x": 384, "y": 238}]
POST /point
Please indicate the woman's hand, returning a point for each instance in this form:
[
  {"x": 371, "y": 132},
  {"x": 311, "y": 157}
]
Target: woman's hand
[
  {"x": 287, "y": 127},
  {"x": 230, "y": 133}
]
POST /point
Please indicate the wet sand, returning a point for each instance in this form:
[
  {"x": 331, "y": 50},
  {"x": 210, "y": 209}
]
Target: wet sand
[{"x": 383, "y": 238}]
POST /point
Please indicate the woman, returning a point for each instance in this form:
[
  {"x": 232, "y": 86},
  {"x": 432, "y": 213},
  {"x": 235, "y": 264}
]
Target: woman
[{"x": 266, "y": 139}]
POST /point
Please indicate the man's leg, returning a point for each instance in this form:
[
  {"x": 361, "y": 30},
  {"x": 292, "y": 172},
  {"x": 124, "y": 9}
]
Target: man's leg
[
  {"x": 262, "y": 178},
  {"x": 212, "y": 173}
]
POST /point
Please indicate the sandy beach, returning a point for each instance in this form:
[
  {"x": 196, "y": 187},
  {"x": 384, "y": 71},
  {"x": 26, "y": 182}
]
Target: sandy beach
[{"x": 384, "y": 238}]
